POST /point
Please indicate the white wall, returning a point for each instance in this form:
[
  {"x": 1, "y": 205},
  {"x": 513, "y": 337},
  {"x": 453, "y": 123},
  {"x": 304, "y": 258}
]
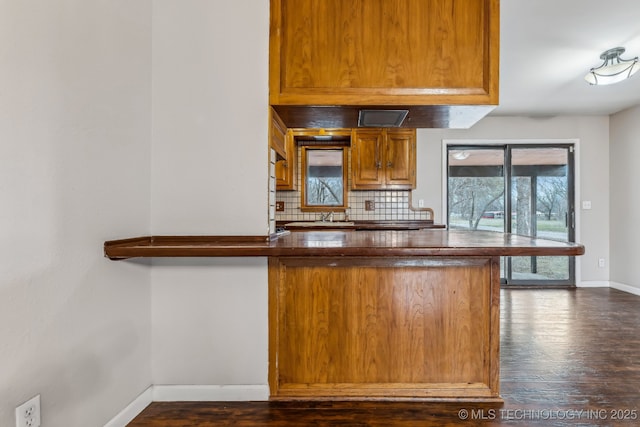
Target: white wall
[
  {"x": 593, "y": 136},
  {"x": 74, "y": 172},
  {"x": 625, "y": 198},
  {"x": 210, "y": 117},
  {"x": 209, "y": 176},
  {"x": 79, "y": 107}
]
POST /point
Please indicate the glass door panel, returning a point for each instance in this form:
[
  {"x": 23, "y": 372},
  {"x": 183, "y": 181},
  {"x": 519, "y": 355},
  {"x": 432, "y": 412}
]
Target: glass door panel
[
  {"x": 539, "y": 181},
  {"x": 541, "y": 205},
  {"x": 476, "y": 188}
]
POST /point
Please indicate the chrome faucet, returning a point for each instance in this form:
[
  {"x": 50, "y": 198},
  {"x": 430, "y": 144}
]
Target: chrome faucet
[{"x": 326, "y": 217}]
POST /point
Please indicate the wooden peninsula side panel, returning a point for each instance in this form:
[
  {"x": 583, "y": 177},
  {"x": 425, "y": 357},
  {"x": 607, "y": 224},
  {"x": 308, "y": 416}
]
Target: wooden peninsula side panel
[{"x": 384, "y": 328}]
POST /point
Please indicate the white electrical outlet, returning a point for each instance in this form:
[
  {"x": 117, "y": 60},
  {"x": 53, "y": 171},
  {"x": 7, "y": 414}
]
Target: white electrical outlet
[
  {"x": 28, "y": 414},
  {"x": 601, "y": 262}
]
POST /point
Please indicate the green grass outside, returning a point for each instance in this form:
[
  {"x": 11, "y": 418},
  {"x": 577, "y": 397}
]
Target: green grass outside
[
  {"x": 550, "y": 268},
  {"x": 498, "y": 224}
]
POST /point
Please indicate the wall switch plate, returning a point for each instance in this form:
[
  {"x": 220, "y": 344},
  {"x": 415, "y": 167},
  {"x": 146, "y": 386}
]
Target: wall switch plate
[
  {"x": 586, "y": 204},
  {"x": 28, "y": 414},
  {"x": 279, "y": 206},
  {"x": 369, "y": 205},
  {"x": 421, "y": 203},
  {"x": 601, "y": 262}
]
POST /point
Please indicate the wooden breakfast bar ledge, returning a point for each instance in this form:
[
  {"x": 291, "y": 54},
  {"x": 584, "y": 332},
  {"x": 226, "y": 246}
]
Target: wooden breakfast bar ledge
[{"x": 374, "y": 314}]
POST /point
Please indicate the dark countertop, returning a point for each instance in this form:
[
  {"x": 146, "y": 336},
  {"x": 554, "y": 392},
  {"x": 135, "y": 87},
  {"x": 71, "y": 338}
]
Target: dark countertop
[{"x": 434, "y": 242}]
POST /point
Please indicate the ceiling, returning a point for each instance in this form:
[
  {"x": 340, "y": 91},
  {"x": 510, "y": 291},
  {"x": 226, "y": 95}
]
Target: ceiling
[{"x": 548, "y": 46}]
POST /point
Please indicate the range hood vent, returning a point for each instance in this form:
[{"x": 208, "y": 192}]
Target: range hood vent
[{"x": 381, "y": 118}]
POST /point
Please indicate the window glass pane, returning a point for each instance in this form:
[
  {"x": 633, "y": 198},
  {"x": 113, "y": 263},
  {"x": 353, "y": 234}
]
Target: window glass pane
[
  {"x": 539, "y": 193},
  {"x": 324, "y": 178},
  {"x": 476, "y": 189},
  {"x": 540, "y": 268}
]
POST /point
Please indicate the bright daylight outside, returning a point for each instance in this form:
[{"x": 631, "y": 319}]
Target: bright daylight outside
[
  {"x": 538, "y": 181},
  {"x": 324, "y": 177}
]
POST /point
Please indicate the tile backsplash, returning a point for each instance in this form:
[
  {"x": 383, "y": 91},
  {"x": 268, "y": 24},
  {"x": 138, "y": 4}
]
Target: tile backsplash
[{"x": 389, "y": 205}]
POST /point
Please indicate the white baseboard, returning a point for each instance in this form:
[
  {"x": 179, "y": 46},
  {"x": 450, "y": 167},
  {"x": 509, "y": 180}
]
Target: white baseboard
[
  {"x": 132, "y": 410},
  {"x": 606, "y": 284},
  {"x": 625, "y": 288},
  {"x": 188, "y": 393},
  {"x": 199, "y": 393},
  {"x": 593, "y": 284}
]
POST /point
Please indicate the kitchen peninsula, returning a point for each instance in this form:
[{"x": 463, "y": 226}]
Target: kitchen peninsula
[{"x": 374, "y": 314}]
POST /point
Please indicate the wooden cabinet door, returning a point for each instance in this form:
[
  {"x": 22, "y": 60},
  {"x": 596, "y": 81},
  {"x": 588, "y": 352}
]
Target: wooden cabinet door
[
  {"x": 336, "y": 52},
  {"x": 400, "y": 159},
  {"x": 367, "y": 159},
  {"x": 277, "y": 132},
  {"x": 286, "y": 176},
  {"x": 383, "y": 159}
]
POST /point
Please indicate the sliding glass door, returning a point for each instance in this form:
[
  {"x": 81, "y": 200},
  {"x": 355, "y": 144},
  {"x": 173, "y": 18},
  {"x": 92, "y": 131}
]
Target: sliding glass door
[
  {"x": 540, "y": 184},
  {"x": 541, "y": 205}
]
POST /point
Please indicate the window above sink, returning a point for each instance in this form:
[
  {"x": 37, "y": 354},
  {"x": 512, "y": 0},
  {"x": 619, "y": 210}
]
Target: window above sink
[{"x": 324, "y": 179}]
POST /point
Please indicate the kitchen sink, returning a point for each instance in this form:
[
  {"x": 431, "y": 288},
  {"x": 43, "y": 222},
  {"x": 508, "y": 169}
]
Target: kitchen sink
[{"x": 316, "y": 224}]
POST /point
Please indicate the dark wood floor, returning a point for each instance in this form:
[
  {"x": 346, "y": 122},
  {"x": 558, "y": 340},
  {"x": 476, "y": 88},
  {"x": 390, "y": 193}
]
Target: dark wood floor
[{"x": 568, "y": 358}]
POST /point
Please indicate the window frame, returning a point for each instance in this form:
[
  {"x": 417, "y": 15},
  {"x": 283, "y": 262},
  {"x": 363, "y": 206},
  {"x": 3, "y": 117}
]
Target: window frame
[
  {"x": 304, "y": 207},
  {"x": 572, "y": 145}
]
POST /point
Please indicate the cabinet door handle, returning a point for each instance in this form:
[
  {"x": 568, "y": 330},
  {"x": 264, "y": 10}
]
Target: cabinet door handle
[
  {"x": 389, "y": 164},
  {"x": 378, "y": 164}
]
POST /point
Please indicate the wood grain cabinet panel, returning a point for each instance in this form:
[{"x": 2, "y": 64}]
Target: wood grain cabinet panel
[
  {"x": 277, "y": 134},
  {"x": 400, "y": 163},
  {"x": 363, "y": 328},
  {"x": 383, "y": 159},
  {"x": 366, "y": 159},
  {"x": 383, "y": 53},
  {"x": 286, "y": 169}
]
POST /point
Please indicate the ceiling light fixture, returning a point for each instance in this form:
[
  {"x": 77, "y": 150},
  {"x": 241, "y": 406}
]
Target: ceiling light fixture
[
  {"x": 460, "y": 155},
  {"x": 613, "y": 69}
]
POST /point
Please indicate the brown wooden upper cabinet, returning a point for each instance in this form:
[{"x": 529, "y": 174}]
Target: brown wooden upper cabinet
[
  {"x": 383, "y": 159},
  {"x": 286, "y": 169},
  {"x": 277, "y": 134},
  {"x": 281, "y": 140},
  {"x": 436, "y": 58}
]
